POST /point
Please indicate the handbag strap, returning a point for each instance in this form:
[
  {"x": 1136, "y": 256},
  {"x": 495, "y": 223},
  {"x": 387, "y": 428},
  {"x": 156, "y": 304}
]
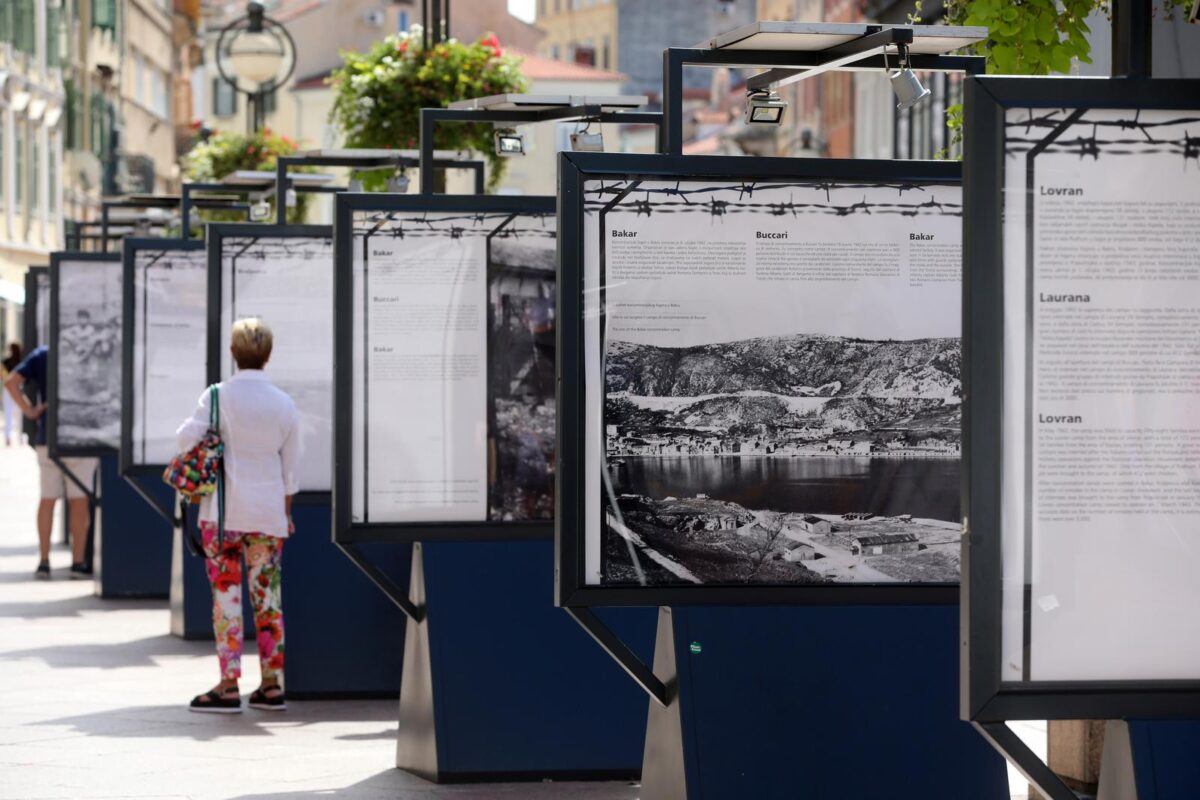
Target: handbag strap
[{"x": 214, "y": 422}]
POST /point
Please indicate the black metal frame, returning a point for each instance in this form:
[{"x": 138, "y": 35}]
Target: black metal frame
[
  {"x": 430, "y": 117},
  {"x": 55, "y": 449},
  {"x": 127, "y": 468},
  {"x": 571, "y": 588},
  {"x": 219, "y": 203},
  {"x": 29, "y": 334},
  {"x": 785, "y": 64},
  {"x": 146, "y": 202},
  {"x": 216, "y": 234},
  {"x": 985, "y": 697},
  {"x": 344, "y": 530},
  {"x": 283, "y": 163}
]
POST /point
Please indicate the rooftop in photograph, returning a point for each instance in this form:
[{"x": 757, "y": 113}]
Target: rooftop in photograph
[
  {"x": 542, "y": 102},
  {"x": 817, "y": 36}
]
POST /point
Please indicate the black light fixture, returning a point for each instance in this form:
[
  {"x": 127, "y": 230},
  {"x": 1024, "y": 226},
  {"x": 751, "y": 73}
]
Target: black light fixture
[
  {"x": 509, "y": 143},
  {"x": 255, "y": 54},
  {"x": 764, "y": 107}
]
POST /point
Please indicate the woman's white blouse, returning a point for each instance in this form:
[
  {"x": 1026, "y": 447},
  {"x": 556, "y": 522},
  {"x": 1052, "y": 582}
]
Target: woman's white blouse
[{"x": 261, "y": 430}]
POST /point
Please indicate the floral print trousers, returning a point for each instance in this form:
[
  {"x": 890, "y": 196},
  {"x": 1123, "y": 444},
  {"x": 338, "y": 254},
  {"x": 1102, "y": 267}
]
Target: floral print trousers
[{"x": 263, "y": 556}]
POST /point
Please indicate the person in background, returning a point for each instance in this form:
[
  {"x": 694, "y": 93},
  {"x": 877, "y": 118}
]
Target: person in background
[
  {"x": 55, "y": 482},
  {"x": 260, "y": 428},
  {"x": 12, "y": 414}
]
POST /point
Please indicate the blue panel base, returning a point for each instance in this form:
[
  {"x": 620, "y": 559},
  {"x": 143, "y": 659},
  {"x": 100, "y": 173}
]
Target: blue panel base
[
  {"x": 518, "y": 690},
  {"x": 822, "y": 702},
  {"x": 132, "y": 555},
  {"x": 1164, "y": 759},
  {"x": 343, "y": 637}
]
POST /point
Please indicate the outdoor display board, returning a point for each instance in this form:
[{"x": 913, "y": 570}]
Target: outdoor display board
[
  {"x": 35, "y": 327},
  {"x": 165, "y": 312},
  {"x": 85, "y": 354},
  {"x": 446, "y": 367},
  {"x": 761, "y": 397},
  {"x": 284, "y": 275},
  {"x": 1083, "y": 444}
]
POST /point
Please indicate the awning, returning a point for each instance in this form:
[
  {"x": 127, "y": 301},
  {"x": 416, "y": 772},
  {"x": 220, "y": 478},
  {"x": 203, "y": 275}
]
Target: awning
[{"x": 13, "y": 292}]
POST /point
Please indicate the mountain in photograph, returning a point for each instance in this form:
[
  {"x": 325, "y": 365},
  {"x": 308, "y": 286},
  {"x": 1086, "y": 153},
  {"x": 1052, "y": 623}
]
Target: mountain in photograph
[
  {"x": 799, "y": 395},
  {"x": 800, "y": 365}
]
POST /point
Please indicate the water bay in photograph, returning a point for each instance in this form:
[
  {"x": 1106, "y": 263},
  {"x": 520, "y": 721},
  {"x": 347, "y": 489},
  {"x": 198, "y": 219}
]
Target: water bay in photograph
[{"x": 783, "y": 460}]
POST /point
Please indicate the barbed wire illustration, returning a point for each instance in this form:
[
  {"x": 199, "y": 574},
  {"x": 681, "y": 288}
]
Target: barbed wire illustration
[
  {"x": 646, "y": 201},
  {"x": 170, "y": 259},
  {"x": 1095, "y": 137},
  {"x": 402, "y": 225},
  {"x": 257, "y": 248}
]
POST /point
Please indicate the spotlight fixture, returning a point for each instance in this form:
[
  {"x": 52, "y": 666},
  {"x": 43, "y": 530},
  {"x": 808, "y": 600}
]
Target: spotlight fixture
[
  {"x": 764, "y": 107},
  {"x": 290, "y": 198},
  {"x": 509, "y": 142},
  {"x": 398, "y": 183},
  {"x": 905, "y": 84},
  {"x": 582, "y": 141},
  {"x": 260, "y": 211},
  {"x": 355, "y": 185}
]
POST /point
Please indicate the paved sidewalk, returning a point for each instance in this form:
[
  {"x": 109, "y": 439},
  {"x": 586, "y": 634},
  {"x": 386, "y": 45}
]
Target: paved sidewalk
[
  {"x": 93, "y": 695},
  {"x": 93, "y": 698}
]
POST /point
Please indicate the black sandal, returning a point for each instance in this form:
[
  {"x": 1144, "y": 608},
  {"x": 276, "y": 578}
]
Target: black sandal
[
  {"x": 263, "y": 702},
  {"x": 217, "y": 702}
]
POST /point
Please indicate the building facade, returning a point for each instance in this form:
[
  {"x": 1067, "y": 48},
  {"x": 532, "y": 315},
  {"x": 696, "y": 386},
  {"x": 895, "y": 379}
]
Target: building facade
[{"x": 33, "y": 38}]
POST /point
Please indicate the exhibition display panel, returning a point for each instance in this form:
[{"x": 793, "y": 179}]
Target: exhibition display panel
[
  {"x": 445, "y": 369},
  {"x": 84, "y": 380},
  {"x": 1082, "y": 303},
  {"x": 36, "y": 328},
  {"x": 166, "y": 314},
  {"x": 761, "y": 399},
  {"x": 284, "y": 275}
]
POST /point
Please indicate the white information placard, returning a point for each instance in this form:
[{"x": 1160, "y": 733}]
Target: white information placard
[
  {"x": 88, "y": 354},
  {"x": 169, "y": 327},
  {"x": 773, "y": 382},
  {"x": 288, "y": 282},
  {"x": 1101, "y": 482},
  {"x": 453, "y": 387}
]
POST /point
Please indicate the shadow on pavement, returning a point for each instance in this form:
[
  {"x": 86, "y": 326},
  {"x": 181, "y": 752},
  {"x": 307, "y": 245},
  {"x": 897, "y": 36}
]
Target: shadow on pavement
[
  {"x": 176, "y": 722},
  {"x": 385, "y": 735},
  {"x": 395, "y": 784},
  {"x": 72, "y": 606},
  {"x": 112, "y": 655},
  {"x": 19, "y": 550}
]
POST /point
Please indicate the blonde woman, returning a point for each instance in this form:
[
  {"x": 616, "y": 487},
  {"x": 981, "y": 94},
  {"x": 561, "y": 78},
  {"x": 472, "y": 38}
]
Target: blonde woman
[{"x": 261, "y": 431}]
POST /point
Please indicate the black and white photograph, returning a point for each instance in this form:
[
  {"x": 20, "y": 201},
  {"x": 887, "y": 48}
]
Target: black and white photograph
[
  {"x": 521, "y": 347},
  {"x": 782, "y": 390},
  {"x": 287, "y": 281},
  {"x": 88, "y": 353}
]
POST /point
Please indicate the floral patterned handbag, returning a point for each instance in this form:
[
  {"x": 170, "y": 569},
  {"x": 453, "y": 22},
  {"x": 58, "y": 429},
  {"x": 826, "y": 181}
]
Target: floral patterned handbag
[{"x": 198, "y": 472}]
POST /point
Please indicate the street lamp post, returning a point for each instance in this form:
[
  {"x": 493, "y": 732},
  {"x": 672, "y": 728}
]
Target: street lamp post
[{"x": 255, "y": 54}]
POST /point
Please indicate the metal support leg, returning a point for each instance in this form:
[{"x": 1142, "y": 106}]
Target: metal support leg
[
  {"x": 1117, "y": 772},
  {"x": 1017, "y": 753},
  {"x": 427, "y": 128},
  {"x": 386, "y": 585},
  {"x": 633, "y": 666},
  {"x": 672, "y": 101}
]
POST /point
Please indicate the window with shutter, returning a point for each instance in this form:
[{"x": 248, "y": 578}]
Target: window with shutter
[{"x": 104, "y": 15}]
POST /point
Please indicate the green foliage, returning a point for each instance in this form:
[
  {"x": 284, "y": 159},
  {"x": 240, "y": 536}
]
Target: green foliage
[
  {"x": 380, "y": 93},
  {"x": 1027, "y": 37},
  {"x": 225, "y": 153},
  {"x": 1034, "y": 37}
]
